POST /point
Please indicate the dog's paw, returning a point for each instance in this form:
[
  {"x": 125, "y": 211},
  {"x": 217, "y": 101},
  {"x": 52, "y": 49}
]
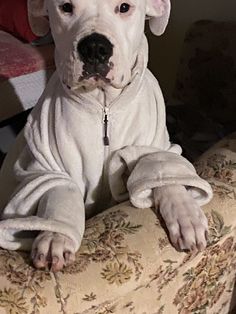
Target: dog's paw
[
  {"x": 52, "y": 250},
  {"x": 184, "y": 219}
]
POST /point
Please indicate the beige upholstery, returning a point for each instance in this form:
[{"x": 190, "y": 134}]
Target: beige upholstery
[{"x": 126, "y": 264}]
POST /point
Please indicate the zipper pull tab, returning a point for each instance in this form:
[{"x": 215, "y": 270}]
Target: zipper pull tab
[{"x": 105, "y": 121}]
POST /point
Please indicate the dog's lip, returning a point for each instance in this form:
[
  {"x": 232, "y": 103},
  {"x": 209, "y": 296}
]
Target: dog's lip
[{"x": 95, "y": 77}]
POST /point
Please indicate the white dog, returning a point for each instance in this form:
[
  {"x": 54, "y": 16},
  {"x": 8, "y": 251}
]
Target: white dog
[{"x": 97, "y": 136}]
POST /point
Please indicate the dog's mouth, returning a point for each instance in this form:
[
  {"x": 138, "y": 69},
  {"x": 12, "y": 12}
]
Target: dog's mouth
[
  {"x": 90, "y": 81},
  {"x": 93, "y": 80}
]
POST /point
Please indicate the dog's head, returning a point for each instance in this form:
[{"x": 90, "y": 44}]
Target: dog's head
[{"x": 97, "y": 41}]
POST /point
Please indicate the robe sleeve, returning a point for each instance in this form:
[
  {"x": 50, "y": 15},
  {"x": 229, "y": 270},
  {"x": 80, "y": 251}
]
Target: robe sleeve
[
  {"x": 165, "y": 168},
  {"x": 136, "y": 170},
  {"x": 45, "y": 198}
]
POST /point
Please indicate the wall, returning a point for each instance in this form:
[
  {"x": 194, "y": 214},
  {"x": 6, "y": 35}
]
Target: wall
[{"x": 165, "y": 50}]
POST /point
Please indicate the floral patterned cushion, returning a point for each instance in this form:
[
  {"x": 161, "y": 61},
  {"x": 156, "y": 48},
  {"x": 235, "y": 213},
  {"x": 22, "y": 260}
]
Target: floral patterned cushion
[{"x": 127, "y": 265}]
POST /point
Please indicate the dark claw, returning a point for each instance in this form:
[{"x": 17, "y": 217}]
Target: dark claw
[
  {"x": 193, "y": 248},
  {"x": 41, "y": 257},
  {"x": 201, "y": 247},
  {"x": 55, "y": 260}
]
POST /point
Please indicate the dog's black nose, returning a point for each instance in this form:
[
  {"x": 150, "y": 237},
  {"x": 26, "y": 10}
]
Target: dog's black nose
[{"x": 95, "y": 49}]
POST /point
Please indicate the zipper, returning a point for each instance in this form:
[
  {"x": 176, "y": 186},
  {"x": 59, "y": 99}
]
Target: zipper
[
  {"x": 106, "y": 140},
  {"x": 105, "y": 195}
]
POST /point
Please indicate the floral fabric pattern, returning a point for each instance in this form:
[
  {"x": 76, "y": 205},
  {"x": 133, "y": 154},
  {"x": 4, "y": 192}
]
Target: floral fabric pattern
[{"x": 126, "y": 263}]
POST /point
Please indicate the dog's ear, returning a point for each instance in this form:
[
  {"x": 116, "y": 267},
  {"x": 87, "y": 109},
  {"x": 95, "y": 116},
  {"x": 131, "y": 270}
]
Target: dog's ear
[
  {"x": 158, "y": 13},
  {"x": 38, "y": 17}
]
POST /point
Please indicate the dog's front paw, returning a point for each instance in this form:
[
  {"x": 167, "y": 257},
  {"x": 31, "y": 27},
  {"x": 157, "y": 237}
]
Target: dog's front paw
[
  {"x": 53, "y": 250},
  {"x": 184, "y": 219}
]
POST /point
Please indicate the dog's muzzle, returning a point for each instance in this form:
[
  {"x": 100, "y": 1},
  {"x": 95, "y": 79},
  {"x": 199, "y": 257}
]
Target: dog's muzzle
[{"x": 95, "y": 51}]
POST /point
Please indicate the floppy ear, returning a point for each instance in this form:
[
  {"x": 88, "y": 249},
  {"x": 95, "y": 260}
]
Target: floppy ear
[
  {"x": 37, "y": 17},
  {"x": 158, "y": 13}
]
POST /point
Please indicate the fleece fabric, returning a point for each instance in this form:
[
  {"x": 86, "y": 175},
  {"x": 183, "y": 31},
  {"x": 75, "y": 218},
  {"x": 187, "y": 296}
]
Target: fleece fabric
[{"x": 78, "y": 157}]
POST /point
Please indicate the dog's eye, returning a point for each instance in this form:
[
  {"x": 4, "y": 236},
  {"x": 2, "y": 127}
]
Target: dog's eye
[
  {"x": 124, "y": 7},
  {"x": 67, "y": 7}
]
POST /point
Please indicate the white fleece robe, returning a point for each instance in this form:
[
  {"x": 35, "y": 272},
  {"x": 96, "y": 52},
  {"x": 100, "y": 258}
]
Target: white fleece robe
[{"x": 60, "y": 170}]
